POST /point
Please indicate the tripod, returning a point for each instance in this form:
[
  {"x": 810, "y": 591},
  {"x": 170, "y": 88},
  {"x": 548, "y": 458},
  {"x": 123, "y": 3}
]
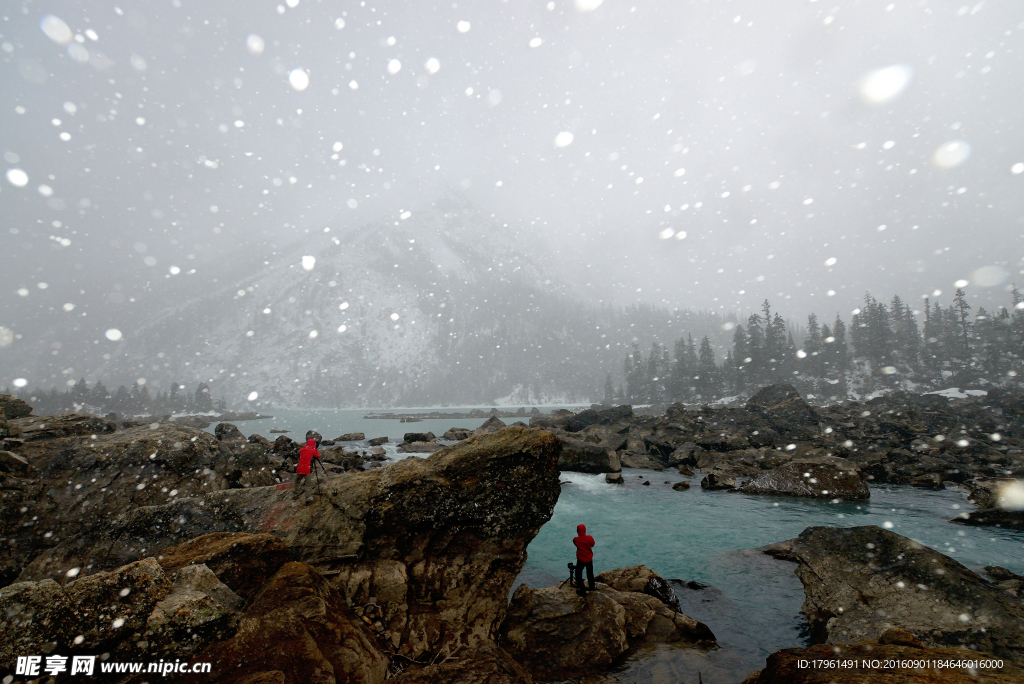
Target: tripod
[
  {"x": 571, "y": 579},
  {"x": 316, "y": 462}
]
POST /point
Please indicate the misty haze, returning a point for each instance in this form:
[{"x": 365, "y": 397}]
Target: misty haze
[{"x": 616, "y": 242}]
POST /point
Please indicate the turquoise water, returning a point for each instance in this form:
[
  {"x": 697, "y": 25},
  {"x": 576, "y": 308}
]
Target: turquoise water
[{"x": 753, "y": 605}]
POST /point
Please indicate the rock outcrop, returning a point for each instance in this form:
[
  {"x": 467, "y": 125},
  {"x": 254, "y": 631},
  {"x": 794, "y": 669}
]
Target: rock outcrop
[
  {"x": 825, "y": 477},
  {"x": 585, "y": 457},
  {"x": 84, "y": 469},
  {"x": 556, "y": 634},
  {"x": 435, "y": 543},
  {"x": 492, "y": 424},
  {"x": 642, "y": 579},
  {"x": 861, "y": 581},
  {"x": 11, "y": 407}
]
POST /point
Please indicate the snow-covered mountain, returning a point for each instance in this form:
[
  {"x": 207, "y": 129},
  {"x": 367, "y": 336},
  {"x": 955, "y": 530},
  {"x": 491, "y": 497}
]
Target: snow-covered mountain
[{"x": 441, "y": 306}]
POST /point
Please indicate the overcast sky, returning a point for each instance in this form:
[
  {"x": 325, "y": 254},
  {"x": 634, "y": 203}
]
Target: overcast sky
[{"x": 774, "y": 136}]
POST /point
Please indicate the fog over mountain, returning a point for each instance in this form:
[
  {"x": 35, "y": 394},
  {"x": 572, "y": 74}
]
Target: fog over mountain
[{"x": 561, "y": 160}]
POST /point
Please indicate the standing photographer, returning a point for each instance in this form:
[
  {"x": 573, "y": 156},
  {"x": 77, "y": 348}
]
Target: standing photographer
[
  {"x": 306, "y": 456},
  {"x": 584, "y": 544}
]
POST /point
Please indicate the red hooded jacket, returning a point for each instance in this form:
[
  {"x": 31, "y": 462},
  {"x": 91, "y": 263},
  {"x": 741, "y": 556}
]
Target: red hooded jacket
[
  {"x": 306, "y": 456},
  {"x": 584, "y": 543}
]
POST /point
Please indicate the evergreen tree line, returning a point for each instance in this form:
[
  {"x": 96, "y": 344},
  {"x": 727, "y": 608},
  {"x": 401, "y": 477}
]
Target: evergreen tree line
[
  {"x": 124, "y": 402},
  {"x": 884, "y": 346}
]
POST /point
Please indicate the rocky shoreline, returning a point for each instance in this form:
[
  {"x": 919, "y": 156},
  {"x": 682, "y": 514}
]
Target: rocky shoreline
[{"x": 148, "y": 541}]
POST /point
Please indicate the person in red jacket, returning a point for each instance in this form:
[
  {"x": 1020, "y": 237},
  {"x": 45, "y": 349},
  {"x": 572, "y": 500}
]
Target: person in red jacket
[
  {"x": 306, "y": 456},
  {"x": 584, "y": 544}
]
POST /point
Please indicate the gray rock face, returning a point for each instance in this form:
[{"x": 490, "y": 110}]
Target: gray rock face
[
  {"x": 418, "y": 437},
  {"x": 556, "y": 634},
  {"x": 825, "y": 477},
  {"x": 584, "y": 457},
  {"x": 861, "y": 581}
]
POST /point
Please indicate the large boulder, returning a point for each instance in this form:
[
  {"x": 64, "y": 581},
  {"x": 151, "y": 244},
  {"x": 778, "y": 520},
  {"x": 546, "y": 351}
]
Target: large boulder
[
  {"x": 242, "y": 561},
  {"x": 617, "y": 414},
  {"x": 299, "y": 625},
  {"x": 11, "y": 407},
  {"x": 784, "y": 409},
  {"x": 825, "y": 477},
  {"x": 434, "y": 543},
  {"x": 585, "y": 457},
  {"x": 642, "y": 579},
  {"x": 557, "y": 634},
  {"x": 861, "y": 581},
  {"x": 897, "y": 665}
]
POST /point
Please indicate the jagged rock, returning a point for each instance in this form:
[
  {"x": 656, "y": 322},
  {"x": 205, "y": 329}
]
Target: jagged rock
[
  {"x": 995, "y": 517},
  {"x": 861, "y": 581},
  {"x": 242, "y": 561},
  {"x": 351, "y": 437},
  {"x": 614, "y": 478},
  {"x": 418, "y": 447},
  {"x": 198, "y": 609},
  {"x": 783, "y": 407},
  {"x": 492, "y": 424},
  {"x": 584, "y": 457},
  {"x": 11, "y": 407},
  {"x": 928, "y": 481},
  {"x": 457, "y": 434},
  {"x": 635, "y": 460},
  {"x": 261, "y": 441},
  {"x": 35, "y": 617},
  {"x": 299, "y": 625},
  {"x": 419, "y": 437},
  {"x": 681, "y": 486},
  {"x": 1009, "y": 582},
  {"x": 826, "y": 477},
  {"x": 686, "y": 470},
  {"x": 13, "y": 463},
  {"x": 127, "y": 594},
  {"x": 377, "y": 441},
  {"x": 640, "y": 578},
  {"x": 556, "y": 634},
  {"x": 617, "y": 414},
  {"x": 790, "y": 666},
  {"x": 227, "y": 431},
  {"x": 717, "y": 480},
  {"x": 486, "y": 664},
  {"x": 421, "y": 538}
]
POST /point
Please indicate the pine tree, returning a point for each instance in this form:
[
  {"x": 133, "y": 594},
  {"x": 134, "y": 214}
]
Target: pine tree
[
  {"x": 609, "y": 391},
  {"x": 707, "y": 383},
  {"x": 960, "y": 308},
  {"x": 740, "y": 356}
]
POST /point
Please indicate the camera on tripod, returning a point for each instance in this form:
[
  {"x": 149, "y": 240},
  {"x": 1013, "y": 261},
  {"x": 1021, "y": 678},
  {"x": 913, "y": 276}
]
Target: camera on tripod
[{"x": 572, "y": 576}]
